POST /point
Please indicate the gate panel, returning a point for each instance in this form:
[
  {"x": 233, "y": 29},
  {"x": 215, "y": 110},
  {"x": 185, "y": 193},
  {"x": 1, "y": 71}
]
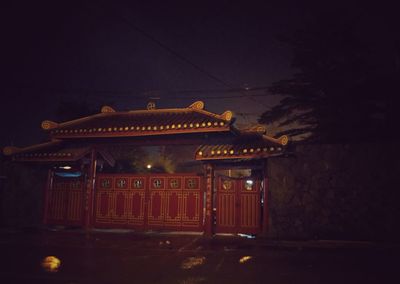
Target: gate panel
[
  {"x": 119, "y": 211},
  {"x": 75, "y": 202},
  {"x": 159, "y": 201},
  {"x": 57, "y": 202},
  {"x": 238, "y": 205},
  {"x": 136, "y": 202},
  {"x": 156, "y": 203},
  {"x": 250, "y": 206},
  {"x": 65, "y": 201},
  {"x": 173, "y": 200},
  {"x": 104, "y": 201},
  {"x": 226, "y": 203},
  {"x": 192, "y": 203}
]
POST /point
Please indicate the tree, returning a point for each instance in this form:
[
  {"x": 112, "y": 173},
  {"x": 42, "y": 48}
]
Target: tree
[{"x": 342, "y": 92}]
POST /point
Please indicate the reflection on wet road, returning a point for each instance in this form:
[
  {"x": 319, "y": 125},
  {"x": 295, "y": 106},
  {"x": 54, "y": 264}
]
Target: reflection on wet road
[
  {"x": 51, "y": 264},
  {"x": 142, "y": 258}
]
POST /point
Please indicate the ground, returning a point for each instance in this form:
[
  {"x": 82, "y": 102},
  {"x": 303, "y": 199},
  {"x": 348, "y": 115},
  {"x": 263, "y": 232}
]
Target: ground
[{"x": 127, "y": 257}]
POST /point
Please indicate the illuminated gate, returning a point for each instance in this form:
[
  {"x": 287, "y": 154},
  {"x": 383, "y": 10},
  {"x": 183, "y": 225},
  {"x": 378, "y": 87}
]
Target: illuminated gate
[
  {"x": 65, "y": 201},
  {"x": 146, "y": 202},
  {"x": 238, "y": 205}
]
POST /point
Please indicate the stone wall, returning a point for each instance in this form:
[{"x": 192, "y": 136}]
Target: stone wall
[
  {"x": 335, "y": 192},
  {"x": 21, "y": 201}
]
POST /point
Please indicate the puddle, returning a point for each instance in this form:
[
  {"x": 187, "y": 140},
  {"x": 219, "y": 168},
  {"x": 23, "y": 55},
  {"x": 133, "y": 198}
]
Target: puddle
[
  {"x": 245, "y": 259},
  {"x": 191, "y": 262},
  {"x": 193, "y": 280},
  {"x": 51, "y": 264}
]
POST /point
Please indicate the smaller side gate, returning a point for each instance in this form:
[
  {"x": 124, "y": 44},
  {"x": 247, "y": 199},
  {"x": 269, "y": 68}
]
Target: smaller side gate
[
  {"x": 65, "y": 201},
  {"x": 149, "y": 202},
  {"x": 238, "y": 205}
]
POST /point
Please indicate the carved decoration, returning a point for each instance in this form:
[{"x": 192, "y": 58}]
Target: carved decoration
[
  {"x": 107, "y": 109},
  {"x": 9, "y": 150},
  {"x": 48, "y": 124},
  {"x": 151, "y": 105},
  {"x": 197, "y": 105},
  {"x": 284, "y": 140},
  {"x": 227, "y": 115}
]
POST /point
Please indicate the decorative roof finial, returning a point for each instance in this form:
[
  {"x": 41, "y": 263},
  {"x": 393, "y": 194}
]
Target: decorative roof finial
[{"x": 151, "y": 105}]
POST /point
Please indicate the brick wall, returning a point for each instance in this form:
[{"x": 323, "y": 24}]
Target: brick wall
[{"x": 336, "y": 192}]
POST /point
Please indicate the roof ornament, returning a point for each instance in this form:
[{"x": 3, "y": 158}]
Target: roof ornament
[
  {"x": 283, "y": 140},
  {"x": 227, "y": 115},
  {"x": 151, "y": 105},
  {"x": 197, "y": 105},
  {"x": 9, "y": 150},
  {"x": 48, "y": 124},
  {"x": 107, "y": 109}
]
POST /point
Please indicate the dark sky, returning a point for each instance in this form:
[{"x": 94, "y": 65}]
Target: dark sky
[{"x": 126, "y": 51}]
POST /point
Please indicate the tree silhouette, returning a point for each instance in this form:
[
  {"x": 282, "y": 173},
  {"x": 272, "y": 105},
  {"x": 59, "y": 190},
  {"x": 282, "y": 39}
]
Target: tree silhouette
[{"x": 341, "y": 91}]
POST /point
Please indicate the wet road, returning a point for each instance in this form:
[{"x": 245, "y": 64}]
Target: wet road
[{"x": 153, "y": 258}]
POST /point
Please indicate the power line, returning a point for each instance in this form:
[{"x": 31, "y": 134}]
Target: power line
[
  {"x": 127, "y": 94},
  {"x": 179, "y": 56}
]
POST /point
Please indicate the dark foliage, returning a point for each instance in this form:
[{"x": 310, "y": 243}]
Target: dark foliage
[{"x": 344, "y": 88}]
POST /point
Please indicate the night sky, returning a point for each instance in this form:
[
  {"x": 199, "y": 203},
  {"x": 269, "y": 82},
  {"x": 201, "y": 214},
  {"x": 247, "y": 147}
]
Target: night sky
[{"x": 126, "y": 51}]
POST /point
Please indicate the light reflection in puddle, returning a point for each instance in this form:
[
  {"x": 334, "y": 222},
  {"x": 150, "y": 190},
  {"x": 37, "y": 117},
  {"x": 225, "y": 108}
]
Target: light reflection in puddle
[
  {"x": 51, "y": 263},
  {"x": 191, "y": 262},
  {"x": 245, "y": 258},
  {"x": 193, "y": 280}
]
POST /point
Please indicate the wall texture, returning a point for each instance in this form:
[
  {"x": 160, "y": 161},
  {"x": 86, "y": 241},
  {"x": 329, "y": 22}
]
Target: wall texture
[
  {"x": 21, "y": 201},
  {"x": 336, "y": 192}
]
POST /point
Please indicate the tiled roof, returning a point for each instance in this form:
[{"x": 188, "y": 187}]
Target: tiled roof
[
  {"x": 110, "y": 123},
  {"x": 246, "y": 146},
  {"x": 63, "y": 155},
  {"x": 55, "y": 151},
  {"x": 234, "y": 144}
]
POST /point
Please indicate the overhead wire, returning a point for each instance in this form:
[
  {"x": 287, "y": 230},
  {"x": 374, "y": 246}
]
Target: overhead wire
[
  {"x": 181, "y": 57},
  {"x": 125, "y": 94}
]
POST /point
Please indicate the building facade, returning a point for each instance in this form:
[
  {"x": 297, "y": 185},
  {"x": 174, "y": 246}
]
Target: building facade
[{"x": 186, "y": 169}]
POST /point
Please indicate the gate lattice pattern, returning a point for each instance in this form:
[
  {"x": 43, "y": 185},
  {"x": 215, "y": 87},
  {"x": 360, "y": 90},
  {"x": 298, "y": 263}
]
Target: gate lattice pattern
[{"x": 146, "y": 202}]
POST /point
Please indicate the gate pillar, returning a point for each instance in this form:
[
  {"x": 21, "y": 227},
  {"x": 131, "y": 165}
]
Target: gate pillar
[
  {"x": 209, "y": 216},
  {"x": 89, "y": 191},
  {"x": 265, "y": 209},
  {"x": 47, "y": 189}
]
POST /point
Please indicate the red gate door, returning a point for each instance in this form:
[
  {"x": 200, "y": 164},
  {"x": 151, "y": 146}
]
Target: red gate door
[
  {"x": 120, "y": 201},
  {"x": 238, "y": 205},
  {"x": 65, "y": 201},
  {"x": 155, "y": 202},
  {"x": 175, "y": 202}
]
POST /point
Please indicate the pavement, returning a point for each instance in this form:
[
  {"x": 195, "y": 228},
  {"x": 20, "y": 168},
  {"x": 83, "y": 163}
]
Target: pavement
[{"x": 121, "y": 256}]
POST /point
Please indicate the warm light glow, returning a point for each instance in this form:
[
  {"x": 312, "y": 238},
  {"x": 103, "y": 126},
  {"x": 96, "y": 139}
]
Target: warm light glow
[
  {"x": 148, "y": 166},
  {"x": 66, "y": 167},
  {"x": 248, "y": 184},
  {"x": 51, "y": 263},
  {"x": 245, "y": 259}
]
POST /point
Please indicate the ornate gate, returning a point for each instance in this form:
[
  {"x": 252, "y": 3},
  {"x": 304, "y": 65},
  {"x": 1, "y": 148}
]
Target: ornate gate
[
  {"x": 238, "y": 203},
  {"x": 146, "y": 202},
  {"x": 65, "y": 201}
]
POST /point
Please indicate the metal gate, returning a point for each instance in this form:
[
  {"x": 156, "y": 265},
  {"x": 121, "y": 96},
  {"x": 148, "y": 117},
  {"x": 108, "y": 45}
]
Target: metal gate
[
  {"x": 238, "y": 205},
  {"x": 149, "y": 202},
  {"x": 65, "y": 201}
]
